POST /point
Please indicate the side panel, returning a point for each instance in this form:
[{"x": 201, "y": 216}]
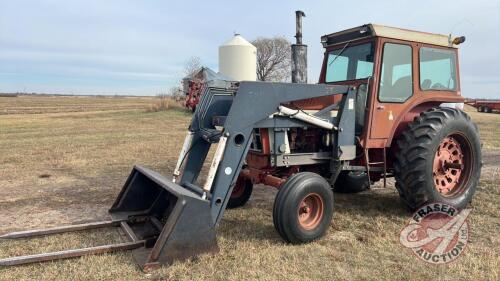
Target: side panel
[{"x": 385, "y": 114}]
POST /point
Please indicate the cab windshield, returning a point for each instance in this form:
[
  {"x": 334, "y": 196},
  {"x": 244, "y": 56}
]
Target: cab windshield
[{"x": 350, "y": 63}]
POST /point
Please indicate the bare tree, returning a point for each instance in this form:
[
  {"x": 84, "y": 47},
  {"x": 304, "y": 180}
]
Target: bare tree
[
  {"x": 273, "y": 59},
  {"x": 193, "y": 64},
  {"x": 176, "y": 93}
]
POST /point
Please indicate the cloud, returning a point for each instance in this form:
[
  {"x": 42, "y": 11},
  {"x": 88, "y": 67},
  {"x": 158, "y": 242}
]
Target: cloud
[{"x": 140, "y": 47}]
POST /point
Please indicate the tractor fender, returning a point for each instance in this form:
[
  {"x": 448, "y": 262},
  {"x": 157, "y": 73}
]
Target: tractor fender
[{"x": 408, "y": 116}]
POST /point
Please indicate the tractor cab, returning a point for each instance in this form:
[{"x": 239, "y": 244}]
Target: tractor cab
[{"x": 404, "y": 72}]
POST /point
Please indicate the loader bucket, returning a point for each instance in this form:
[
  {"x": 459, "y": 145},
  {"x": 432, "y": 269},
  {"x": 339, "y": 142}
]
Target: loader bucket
[
  {"x": 163, "y": 222},
  {"x": 174, "y": 221}
]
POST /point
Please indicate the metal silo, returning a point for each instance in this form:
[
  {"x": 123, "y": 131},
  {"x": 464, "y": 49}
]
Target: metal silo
[{"x": 238, "y": 59}]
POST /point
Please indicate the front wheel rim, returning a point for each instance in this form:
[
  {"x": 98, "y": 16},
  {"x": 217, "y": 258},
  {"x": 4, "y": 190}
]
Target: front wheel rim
[{"x": 310, "y": 211}]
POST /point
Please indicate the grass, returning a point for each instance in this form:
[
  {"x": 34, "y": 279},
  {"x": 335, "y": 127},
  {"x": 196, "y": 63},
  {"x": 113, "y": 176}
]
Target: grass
[
  {"x": 64, "y": 159},
  {"x": 164, "y": 103}
]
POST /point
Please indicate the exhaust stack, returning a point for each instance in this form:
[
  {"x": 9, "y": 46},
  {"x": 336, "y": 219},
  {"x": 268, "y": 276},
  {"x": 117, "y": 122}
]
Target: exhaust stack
[{"x": 299, "y": 53}]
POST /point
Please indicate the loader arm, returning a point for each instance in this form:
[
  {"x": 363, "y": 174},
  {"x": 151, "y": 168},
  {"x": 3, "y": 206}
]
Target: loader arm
[
  {"x": 251, "y": 103},
  {"x": 167, "y": 220}
]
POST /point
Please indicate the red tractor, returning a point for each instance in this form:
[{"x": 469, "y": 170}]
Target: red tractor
[
  {"x": 374, "y": 114},
  {"x": 402, "y": 77}
]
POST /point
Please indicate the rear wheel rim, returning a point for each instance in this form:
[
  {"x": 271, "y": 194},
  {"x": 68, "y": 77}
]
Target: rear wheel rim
[
  {"x": 310, "y": 211},
  {"x": 452, "y": 165}
]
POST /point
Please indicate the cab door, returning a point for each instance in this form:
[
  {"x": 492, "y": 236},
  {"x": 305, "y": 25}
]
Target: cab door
[{"x": 395, "y": 87}]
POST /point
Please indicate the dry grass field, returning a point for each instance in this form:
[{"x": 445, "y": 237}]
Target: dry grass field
[{"x": 64, "y": 159}]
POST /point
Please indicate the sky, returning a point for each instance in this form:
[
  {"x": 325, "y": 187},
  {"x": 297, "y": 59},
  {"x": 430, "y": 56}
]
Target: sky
[{"x": 140, "y": 47}]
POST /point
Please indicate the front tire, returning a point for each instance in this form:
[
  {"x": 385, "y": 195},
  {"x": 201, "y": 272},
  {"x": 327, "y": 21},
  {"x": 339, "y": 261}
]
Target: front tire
[
  {"x": 303, "y": 208},
  {"x": 439, "y": 159}
]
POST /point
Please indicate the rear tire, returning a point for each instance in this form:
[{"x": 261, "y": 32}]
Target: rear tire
[
  {"x": 303, "y": 208},
  {"x": 487, "y": 109},
  {"x": 439, "y": 159},
  {"x": 480, "y": 109},
  {"x": 351, "y": 182},
  {"x": 241, "y": 193}
]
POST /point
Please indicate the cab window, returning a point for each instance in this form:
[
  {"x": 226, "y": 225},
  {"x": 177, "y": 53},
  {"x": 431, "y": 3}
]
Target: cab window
[
  {"x": 396, "y": 83},
  {"x": 350, "y": 63},
  {"x": 437, "y": 69}
]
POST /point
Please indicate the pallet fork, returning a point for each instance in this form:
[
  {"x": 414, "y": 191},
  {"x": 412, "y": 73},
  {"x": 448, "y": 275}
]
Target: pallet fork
[
  {"x": 167, "y": 220},
  {"x": 155, "y": 214}
]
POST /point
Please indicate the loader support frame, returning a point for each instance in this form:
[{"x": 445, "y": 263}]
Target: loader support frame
[
  {"x": 252, "y": 103},
  {"x": 174, "y": 219}
]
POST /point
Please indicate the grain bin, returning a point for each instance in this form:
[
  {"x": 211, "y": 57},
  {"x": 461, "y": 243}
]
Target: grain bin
[{"x": 238, "y": 59}]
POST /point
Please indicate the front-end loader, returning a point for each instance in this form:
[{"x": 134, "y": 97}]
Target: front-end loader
[{"x": 375, "y": 114}]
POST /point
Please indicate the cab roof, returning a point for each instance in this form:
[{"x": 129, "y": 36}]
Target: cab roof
[{"x": 372, "y": 30}]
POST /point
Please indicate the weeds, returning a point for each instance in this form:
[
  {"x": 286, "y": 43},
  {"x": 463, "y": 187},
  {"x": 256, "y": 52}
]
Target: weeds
[{"x": 163, "y": 103}]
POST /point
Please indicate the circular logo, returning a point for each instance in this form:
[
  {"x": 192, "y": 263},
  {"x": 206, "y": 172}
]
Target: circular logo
[{"x": 437, "y": 233}]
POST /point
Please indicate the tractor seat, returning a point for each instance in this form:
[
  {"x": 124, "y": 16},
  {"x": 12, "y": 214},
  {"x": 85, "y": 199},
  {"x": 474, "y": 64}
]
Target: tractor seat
[
  {"x": 426, "y": 84},
  {"x": 397, "y": 92}
]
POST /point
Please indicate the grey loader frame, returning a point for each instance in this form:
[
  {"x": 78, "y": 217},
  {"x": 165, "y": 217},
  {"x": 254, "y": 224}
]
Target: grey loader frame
[
  {"x": 250, "y": 107},
  {"x": 173, "y": 219}
]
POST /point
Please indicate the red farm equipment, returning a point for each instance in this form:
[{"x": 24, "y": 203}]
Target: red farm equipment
[
  {"x": 194, "y": 85},
  {"x": 484, "y": 105}
]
